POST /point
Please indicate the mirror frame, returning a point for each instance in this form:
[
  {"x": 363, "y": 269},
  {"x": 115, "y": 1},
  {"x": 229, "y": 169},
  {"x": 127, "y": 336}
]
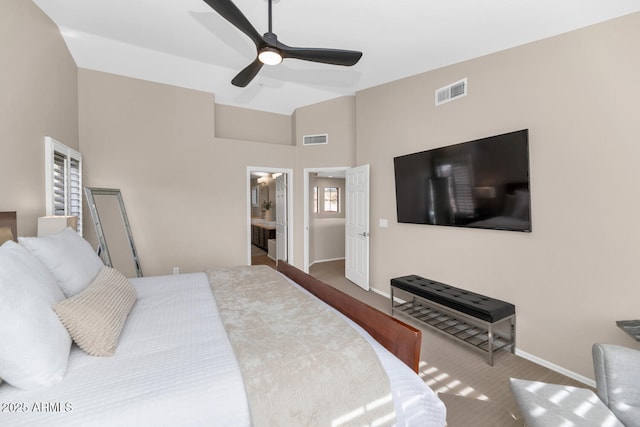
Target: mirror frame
[{"x": 102, "y": 242}]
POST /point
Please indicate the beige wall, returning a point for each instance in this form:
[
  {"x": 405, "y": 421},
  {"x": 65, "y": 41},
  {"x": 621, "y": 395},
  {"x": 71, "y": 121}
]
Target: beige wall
[
  {"x": 39, "y": 98},
  {"x": 252, "y": 125},
  {"x": 327, "y": 239},
  {"x": 337, "y": 119},
  {"x": 575, "y": 274},
  {"x": 186, "y": 192}
]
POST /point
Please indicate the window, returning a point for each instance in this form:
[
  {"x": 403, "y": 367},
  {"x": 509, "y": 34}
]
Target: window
[
  {"x": 331, "y": 199},
  {"x": 63, "y": 169},
  {"x": 316, "y": 203}
]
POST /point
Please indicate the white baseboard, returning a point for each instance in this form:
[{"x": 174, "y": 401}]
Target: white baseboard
[
  {"x": 384, "y": 294},
  {"x": 388, "y": 296},
  {"x": 325, "y": 260},
  {"x": 554, "y": 367},
  {"x": 525, "y": 355}
]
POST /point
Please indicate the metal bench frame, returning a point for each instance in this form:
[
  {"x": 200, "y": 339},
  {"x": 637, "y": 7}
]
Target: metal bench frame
[{"x": 476, "y": 333}]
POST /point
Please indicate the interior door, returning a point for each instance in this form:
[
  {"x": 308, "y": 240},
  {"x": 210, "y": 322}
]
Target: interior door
[
  {"x": 357, "y": 226},
  {"x": 281, "y": 217}
]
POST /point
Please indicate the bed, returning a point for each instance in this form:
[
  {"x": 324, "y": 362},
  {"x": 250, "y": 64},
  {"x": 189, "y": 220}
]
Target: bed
[
  {"x": 230, "y": 346},
  {"x": 8, "y": 226}
]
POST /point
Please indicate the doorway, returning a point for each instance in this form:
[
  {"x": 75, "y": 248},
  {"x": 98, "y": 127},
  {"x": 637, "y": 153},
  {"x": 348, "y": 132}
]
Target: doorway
[
  {"x": 269, "y": 215},
  {"x": 354, "y": 233},
  {"x": 324, "y": 229}
]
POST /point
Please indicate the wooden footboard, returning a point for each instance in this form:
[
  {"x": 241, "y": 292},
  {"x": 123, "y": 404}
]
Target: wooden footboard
[
  {"x": 8, "y": 219},
  {"x": 396, "y": 336}
]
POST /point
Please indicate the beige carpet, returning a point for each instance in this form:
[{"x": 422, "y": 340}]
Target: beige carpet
[
  {"x": 259, "y": 257},
  {"x": 474, "y": 393},
  {"x": 256, "y": 251}
]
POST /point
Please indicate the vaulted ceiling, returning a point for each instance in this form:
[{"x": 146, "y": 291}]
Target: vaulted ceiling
[{"x": 187, "y": 44}]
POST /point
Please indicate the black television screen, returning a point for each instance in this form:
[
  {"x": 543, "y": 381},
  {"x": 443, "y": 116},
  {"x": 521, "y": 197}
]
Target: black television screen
[{"x": 480, "y": 184}]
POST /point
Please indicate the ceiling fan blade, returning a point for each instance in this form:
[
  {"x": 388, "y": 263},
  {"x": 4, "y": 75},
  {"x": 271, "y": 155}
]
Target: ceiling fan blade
[
  {"x": 245, "y": 76},
  {"x": 326, "y": 56},
  {"x": 229, "y": 11}
]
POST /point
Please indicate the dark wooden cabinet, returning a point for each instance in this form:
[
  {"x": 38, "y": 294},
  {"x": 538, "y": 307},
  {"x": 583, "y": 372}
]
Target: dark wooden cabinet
[
  {"x": 255, "y": 235},
  {"x": 260, "y": 236}
]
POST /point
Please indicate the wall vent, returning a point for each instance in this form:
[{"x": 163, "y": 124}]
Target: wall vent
[
  {"x": 453, "y": 91},
  {"x": 315, "y": 139}
]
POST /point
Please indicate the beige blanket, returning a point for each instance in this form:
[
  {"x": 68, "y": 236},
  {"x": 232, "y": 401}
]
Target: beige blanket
[{"x": 302, "y": 364}]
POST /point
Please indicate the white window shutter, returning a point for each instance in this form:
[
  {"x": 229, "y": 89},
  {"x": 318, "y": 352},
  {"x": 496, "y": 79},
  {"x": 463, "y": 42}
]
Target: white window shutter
[
  {"x": 63, "y": 169},
  {"x": 75, "y": 189},
  {"x": 58, "y": 183}
]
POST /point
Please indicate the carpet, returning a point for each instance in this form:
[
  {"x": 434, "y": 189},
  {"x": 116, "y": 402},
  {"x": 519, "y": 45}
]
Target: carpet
[{"x": 476, "y": 394}]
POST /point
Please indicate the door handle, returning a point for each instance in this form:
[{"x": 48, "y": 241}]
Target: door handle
[{"x": 363, "y": 234}]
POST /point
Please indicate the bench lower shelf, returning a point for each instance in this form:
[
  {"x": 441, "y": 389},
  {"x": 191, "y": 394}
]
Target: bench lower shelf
[{"x": 474, "y": 332}]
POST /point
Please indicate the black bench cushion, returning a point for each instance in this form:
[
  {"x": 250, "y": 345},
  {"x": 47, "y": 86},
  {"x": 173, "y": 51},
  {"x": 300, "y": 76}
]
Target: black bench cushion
[{"x": 476, "y": 305}]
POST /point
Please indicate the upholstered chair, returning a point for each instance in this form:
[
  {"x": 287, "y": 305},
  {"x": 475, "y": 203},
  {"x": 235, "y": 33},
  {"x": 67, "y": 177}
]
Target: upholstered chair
[
  {"x": 615, "y": 403},
  {"x": 617, "y": 372}
]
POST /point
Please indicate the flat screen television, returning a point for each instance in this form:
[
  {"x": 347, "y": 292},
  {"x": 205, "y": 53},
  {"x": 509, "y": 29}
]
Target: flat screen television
[{"x": 479, "y": 184}]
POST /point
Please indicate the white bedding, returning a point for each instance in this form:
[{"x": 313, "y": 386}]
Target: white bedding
[{"x": 174, "y": 366}]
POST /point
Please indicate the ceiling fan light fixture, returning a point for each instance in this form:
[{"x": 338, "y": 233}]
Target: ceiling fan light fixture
[{"x": 270, "y": 56}]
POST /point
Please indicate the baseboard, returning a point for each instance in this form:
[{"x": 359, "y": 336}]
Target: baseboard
[
  {"x": 379, "y": 292},
  {"x": 535, "y": 359},
  {"x": 320, "y": 261},
  {"x": 388, "y": 296},
  {"x": 554, "y": 367}
]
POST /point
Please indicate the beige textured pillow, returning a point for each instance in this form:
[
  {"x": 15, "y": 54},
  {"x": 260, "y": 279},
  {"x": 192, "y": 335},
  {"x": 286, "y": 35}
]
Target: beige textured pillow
[
  {"x": 5, "y": 234},
  {"x": 95, "y": 316}
]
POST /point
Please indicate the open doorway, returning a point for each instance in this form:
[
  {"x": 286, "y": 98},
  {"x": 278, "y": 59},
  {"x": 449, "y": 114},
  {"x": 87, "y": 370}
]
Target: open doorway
[
  {"x": 324, "y": 222},
  {"x": 352, "y": 236},
  {"x": 269, "y": 213}
]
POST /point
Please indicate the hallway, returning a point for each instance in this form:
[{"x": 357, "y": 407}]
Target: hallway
[{"x": 259, "y": 257}]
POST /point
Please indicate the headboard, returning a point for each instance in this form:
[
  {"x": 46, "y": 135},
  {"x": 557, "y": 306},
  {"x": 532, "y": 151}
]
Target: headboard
[{"x": 8, "y": 219}]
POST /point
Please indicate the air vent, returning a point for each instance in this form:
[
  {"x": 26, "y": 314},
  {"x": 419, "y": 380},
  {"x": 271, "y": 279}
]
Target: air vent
[
  {"x": 453, "y": 91},
  {"x": 315, "y": 139}
]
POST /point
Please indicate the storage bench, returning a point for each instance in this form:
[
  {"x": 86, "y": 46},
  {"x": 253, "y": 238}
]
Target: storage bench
[{"x": 482, "y": 322}]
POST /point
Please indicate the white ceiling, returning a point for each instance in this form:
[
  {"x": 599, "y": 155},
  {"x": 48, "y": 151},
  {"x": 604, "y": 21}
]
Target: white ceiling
[{"x": 185, "y": 43}]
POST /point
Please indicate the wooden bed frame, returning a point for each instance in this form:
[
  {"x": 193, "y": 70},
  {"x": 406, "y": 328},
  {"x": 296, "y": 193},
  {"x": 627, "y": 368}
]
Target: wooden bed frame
[
  {"x": 396, "y": 336},
  {"x": 8, "y": 219}
]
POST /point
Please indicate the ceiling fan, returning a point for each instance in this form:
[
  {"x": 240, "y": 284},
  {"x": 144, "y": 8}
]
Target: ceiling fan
[{"x": 270, "y": 50}]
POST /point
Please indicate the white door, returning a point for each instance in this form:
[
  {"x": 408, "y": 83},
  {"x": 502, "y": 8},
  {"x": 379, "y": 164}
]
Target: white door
[
  {"x": 357, "y": 226},
  {"x": 281, "y": 217}
]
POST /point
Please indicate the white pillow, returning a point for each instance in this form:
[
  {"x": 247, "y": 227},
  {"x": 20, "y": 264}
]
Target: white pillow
[
  {"x": 34, "y": 345},
  {"x": 68, "y": 257}
]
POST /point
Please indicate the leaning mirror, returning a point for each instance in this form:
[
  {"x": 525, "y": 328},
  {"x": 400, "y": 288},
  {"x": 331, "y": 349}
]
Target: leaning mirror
[{"x": 115, "y": 241}]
